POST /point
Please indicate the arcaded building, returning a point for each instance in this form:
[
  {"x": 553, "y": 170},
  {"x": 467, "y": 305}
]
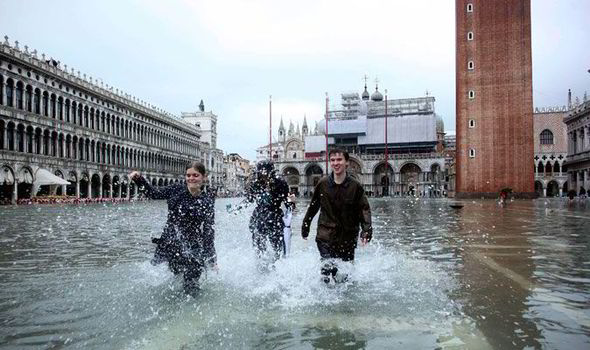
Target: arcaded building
[
  {"x": 57, "y": 122},
  {"x": 550, "y": 135},
  {"x": 494, "y": 121},
  {"x": 578, "y": 136}
]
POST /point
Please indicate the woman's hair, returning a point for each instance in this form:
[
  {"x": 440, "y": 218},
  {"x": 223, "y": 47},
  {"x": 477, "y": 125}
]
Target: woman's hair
[{"x": 198, "y": 166}]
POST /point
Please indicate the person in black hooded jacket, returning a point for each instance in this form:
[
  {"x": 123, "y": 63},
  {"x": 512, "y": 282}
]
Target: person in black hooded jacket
[
  {"x": 187, "y": 241},
  {"x": 269, "y": 191}
]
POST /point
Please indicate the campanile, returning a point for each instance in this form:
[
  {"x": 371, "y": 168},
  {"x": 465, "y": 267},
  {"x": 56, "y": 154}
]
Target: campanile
[{"x": 494, "y": 99}]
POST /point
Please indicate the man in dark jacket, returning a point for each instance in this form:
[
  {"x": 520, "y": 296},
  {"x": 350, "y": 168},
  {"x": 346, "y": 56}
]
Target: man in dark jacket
[
  {"x": 269, "y": 191},
  {"x": 344, "y": 207}
]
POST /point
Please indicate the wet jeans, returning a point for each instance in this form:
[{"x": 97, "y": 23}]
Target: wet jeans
[{"x": 329, "y": 253}]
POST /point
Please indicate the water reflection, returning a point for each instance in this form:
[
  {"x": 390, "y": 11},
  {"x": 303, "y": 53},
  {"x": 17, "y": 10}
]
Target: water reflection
[{"x": 480, "y": 277}]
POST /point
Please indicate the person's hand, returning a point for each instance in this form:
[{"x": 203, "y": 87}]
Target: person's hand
[
  {"x": 291, "y": 198},
  {"x": 134, "y": 175},
  {"x": 365, "y": 238}
]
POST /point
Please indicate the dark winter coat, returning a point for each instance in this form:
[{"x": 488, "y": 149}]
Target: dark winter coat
[
  {"x": 189, "y": 233},
  {"x": 344, "y": 207},
  {"x": 267, "y": 217}
]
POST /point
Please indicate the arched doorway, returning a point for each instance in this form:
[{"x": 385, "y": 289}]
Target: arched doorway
[
  {"x": 409, "y": 179},
  {"x": 25, "y": 183},
  {"x": 552, "y": 189},
  {"x": 71, "y": 188},
  {"x": 6, "y": 185},
  {"x": 291, "y": 175},
  {"x": 313, "y": 174},
  {"x": 382, "y": 180},
  {"x": 84, "y": 181},
  {"x": 95, "y": 186},
  {"x": 106, "y": 186}
]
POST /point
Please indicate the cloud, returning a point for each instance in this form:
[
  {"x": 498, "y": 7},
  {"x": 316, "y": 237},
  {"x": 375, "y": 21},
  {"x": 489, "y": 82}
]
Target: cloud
[{"x": 264, "y": 27}]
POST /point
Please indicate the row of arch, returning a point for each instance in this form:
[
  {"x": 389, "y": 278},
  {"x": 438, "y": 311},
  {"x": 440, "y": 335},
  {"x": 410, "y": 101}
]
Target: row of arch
[
  {"x": 36, "y": 140},
  {"x": 410, "y": 179},
  {"x": 550, "y": 189},
  {"x": 17, "y": 94},
  {"x": 548, "y": 168},
  {"x": 19, "y": 184}
]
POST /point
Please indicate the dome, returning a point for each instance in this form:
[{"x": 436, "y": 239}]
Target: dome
[
  {"x": 365, "y": 96},
  {"x": 440, "y": 125},
  {"x": 376, "y": 96}
]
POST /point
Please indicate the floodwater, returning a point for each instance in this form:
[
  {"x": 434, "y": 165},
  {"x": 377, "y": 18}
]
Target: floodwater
[{"x": 480, "y": 277}]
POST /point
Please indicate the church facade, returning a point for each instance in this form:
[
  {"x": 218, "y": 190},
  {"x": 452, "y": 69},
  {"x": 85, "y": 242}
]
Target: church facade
[{"x": 396, "y": 147}]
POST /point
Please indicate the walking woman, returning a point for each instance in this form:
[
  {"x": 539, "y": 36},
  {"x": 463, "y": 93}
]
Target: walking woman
[{"x": 187, "y": 242}]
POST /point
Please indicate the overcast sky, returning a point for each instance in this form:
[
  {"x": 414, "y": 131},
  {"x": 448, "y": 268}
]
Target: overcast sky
[{"x": 234, "y": 54}]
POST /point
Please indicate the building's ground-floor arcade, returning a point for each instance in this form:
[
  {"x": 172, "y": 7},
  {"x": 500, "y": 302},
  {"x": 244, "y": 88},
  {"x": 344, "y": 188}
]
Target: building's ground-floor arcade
[
  {"x": 423, "y": 176},
  {"x": 18, "y": 181}
]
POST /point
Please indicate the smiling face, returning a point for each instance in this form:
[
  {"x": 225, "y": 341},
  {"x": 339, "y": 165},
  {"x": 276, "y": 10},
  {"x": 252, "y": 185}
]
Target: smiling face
[
  {"x": 194, "y": 179},
  {"x": 338, "y": 163}
]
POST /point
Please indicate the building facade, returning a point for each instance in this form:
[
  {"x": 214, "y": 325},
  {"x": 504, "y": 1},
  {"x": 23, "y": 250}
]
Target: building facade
[
  {"x": 494, "y": 121},
  {"x": 407, "y": 159},
  {"x": 550, "y": 135},
  {"x": 236, "y": 173},
  {"x": 578, "y": 143},
  {"x": 213, "y": 157},
  {"x": 65, "y": 123}
]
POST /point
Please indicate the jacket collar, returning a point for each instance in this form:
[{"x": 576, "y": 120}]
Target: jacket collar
[{"x": 345, "y": 183}]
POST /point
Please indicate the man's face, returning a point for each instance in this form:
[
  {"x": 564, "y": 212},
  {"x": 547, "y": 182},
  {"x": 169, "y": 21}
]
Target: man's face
[{"x": 338, "y": 163}]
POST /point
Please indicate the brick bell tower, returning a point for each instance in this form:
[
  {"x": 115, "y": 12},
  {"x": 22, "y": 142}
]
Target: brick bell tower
[{"x": 494, "y": 98}]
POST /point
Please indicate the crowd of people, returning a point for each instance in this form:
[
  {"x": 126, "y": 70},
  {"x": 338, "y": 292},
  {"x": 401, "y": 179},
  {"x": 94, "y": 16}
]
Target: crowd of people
[{"x": 70, "y": 200}]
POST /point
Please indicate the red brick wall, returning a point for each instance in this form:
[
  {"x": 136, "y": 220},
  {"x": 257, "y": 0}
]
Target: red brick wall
[{"x": 502, "y": 107}]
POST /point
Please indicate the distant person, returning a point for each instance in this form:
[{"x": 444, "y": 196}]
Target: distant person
[
  {"x": 571, "y": 194},
  {"x": 504, "y": 193},
  {"x": 269, "y": 192},
  {"x": 343, "y": 208},
  {"x": 287, "y": 219},
  {"x": 187, "y": 242}
]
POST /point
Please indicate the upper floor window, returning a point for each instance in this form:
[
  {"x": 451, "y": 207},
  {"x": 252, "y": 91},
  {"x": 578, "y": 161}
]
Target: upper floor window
[
  {"x": 471, "y": 94},
  {"x": 469, "y": 7},
  {"x": 469, "y": 35},
  {"x": 546, "y": 137},
  {"x": 470, "y": 65},
  {"x": 472, "y": 123},
  {"x": 472, "y": 153}
]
